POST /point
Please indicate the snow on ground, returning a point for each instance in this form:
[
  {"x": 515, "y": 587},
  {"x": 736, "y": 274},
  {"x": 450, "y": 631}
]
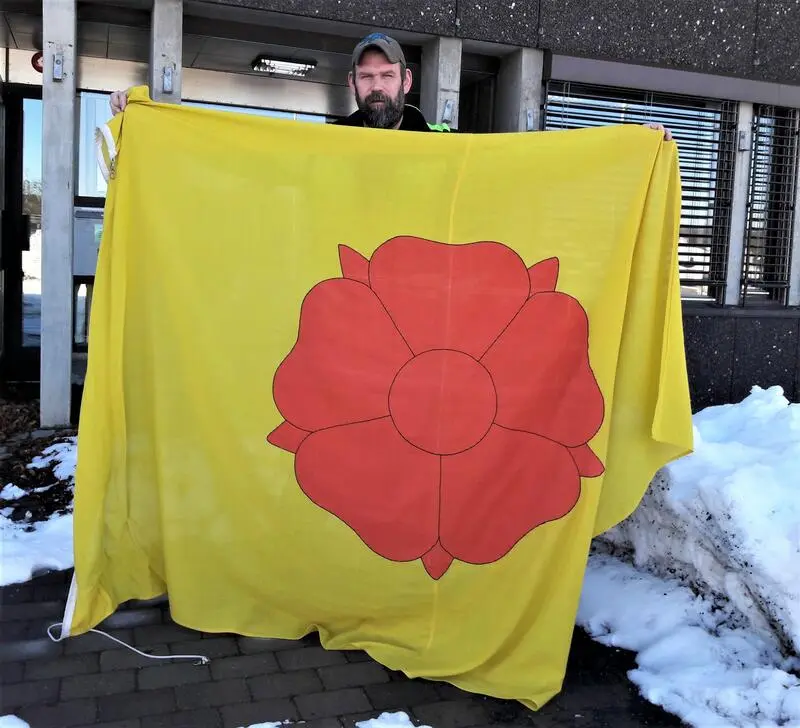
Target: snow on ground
[
  {"x": 385, "y": 720},
  {"x": 26, "y": 548},
  {"x": 703, "y": 580}
]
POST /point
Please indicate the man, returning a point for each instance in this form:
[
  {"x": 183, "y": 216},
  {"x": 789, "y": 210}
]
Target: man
[{"x": 379, "y": 79}]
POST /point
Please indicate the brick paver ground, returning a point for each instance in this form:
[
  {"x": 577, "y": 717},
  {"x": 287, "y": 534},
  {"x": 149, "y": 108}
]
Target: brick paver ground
[{"x": 90, "y": 681}]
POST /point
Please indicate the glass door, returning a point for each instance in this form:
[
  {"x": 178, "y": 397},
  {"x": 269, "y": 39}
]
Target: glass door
[{"x": 22, "y": 234}]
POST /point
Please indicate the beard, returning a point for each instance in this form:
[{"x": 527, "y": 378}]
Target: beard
[{"x": 385, "y": 115}]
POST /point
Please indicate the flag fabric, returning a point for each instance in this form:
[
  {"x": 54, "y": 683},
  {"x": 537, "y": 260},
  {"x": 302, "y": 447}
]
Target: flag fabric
[{"x": 381, "y": 385}]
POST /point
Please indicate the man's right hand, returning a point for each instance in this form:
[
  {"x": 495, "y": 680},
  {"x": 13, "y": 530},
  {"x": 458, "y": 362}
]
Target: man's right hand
[{"x": 119, "y": 100}]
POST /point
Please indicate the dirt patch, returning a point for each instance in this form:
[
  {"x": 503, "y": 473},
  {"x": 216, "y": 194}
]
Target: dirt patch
[{"x": 45, "y": 495}]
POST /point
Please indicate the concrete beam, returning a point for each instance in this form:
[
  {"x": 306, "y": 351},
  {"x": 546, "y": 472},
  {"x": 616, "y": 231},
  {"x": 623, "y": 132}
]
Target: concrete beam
[
  {"x": 58, "y": 191},
  {"x": 441, "y": 81},
  {"x": 741, "y": 193},
  {"x": 520, "y": 92},
  {"x": 166, "y": 51}
]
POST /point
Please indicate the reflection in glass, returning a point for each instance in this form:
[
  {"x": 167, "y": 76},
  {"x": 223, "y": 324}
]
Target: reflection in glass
[{"x": 32, "y": 206}]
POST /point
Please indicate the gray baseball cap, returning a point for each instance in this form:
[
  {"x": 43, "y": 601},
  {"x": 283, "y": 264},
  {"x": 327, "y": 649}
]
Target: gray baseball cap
[{"x": 385, "y": 44}]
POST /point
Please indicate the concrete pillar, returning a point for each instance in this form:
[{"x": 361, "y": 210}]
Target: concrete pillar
[
  {"x": 520, "y": 91},
  {"x": 58, "y": 177},
  {"x": 741, "y": 193},
  {"x": 794, "y": 275},
  {"x": 441, "y": 81},
  {"x": 166, "y": 51}
]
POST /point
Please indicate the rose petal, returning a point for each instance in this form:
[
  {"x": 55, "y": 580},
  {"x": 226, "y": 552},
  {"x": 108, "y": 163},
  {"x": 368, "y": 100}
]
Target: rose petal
[
  {"x": 346, "y": 356},
  {"x": 500, "y": 490},
  {"x": 437, "y": 561},
  {"x": 544, "y": 275},
  {"x": 588, "y": 464},
  {"x": 449, "y": 296},
  {"x": 368, "y": 476},
  {"x": 354, "y": 265},
  {"x": 540, "y": 366},
  {"x": 287, "y": 437}
]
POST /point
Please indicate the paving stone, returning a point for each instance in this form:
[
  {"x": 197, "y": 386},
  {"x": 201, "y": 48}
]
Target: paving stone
[
  {"x": 14, "y": 630},
  {"x": 95, "y": 686},
  {"x": 329, "y": 704},
  {"x": 309, "y": 657},
  {"x": 169, "y": 675},
  {"x": 401, "y": 695},
  {"x": 11, "y": 673},
  {"x": 94, "y": 642},
  {"x": 136, "y": 705},
  {"x": 160, "y": 634},
  {"x": 451, "y": 692},
  {"x": 254, "y": 645},
  {"x": 129, "y": 618},
  {"x": 223, "y": 692},
  {"x": 208, "y": 718},
  {"x": 73, "y": 665},
  {"x": 21, "y": 650},
  {"x": 356, "y": 656},
  {"x": 245, "y": 666},
  {"x": 266, "y": 711},
  {"x": 212, "y": 648},
  {"x": 353, "y": 675},
  {"x": 131, "y": 723},
  {"x": 33, "y": 610},
  {"x": 63, "y": 715},
  {"x": 36, "y": 692},
  {"x": 285, "y": 685},
  {"x": 452, "y": 714},
  {"x": 322, "y": 723},
  {"x": 125, "y": 659}
]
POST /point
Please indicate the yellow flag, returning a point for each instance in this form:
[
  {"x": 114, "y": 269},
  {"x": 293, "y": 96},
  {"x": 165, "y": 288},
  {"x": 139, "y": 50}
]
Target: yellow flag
[{"x": 383, "y": 385}]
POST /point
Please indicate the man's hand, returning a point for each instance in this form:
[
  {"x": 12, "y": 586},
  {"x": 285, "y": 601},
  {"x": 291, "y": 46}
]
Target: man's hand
[
  {"x": 119, "y": 100},
  {"x": 660, "y": 127}
]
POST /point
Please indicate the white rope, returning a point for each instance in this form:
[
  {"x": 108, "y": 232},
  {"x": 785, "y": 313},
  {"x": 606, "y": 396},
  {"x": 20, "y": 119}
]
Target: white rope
[{"x": 202, "y": 659}]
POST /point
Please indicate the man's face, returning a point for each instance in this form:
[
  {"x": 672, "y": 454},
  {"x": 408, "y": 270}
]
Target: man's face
[{"x": 380, "y": 89}]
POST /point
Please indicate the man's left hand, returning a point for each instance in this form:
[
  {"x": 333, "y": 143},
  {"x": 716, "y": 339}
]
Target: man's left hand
[{"x": 660, "y": 127}]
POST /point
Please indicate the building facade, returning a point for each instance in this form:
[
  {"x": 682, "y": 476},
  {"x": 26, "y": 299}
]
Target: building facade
[{"x": 724, "y": 76}]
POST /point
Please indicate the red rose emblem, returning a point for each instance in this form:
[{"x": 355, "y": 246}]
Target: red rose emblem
[{"x": 439, "y": 400}]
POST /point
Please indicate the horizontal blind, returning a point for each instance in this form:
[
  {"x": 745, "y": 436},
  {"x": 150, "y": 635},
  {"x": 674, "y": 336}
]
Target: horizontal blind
[
  {"x": 771, "y": 203},
  {"x": 705, "y": 130}
]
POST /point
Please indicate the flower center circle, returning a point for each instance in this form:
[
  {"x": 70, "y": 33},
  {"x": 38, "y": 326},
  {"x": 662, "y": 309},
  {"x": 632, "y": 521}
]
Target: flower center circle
[{"x": 443, "y": 402}]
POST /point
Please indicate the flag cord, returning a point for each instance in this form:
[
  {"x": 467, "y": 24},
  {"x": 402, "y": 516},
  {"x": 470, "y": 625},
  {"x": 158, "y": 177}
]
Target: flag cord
[{"x": 202, "y": 659}]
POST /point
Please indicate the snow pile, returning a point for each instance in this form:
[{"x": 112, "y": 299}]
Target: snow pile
[
  {"x": 723, "y": 523},
  {"x": 695, "y": 659},
  {"x": 726, "y": 519},
  {"x": 25, "y": 547}
]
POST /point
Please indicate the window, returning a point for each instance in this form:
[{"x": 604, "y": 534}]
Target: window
[
  {"x": 770, "y": 206},
  {"x": 705, "y": 130},
  {"x": 94, "y": 112}
]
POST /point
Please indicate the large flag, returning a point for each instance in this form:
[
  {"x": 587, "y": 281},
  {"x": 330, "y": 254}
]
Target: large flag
[{"x": 382, "y": 385}]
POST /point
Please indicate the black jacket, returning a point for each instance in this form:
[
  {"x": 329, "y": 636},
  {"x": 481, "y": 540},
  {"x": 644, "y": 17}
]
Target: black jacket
[{"x": 413, "y": 120}]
